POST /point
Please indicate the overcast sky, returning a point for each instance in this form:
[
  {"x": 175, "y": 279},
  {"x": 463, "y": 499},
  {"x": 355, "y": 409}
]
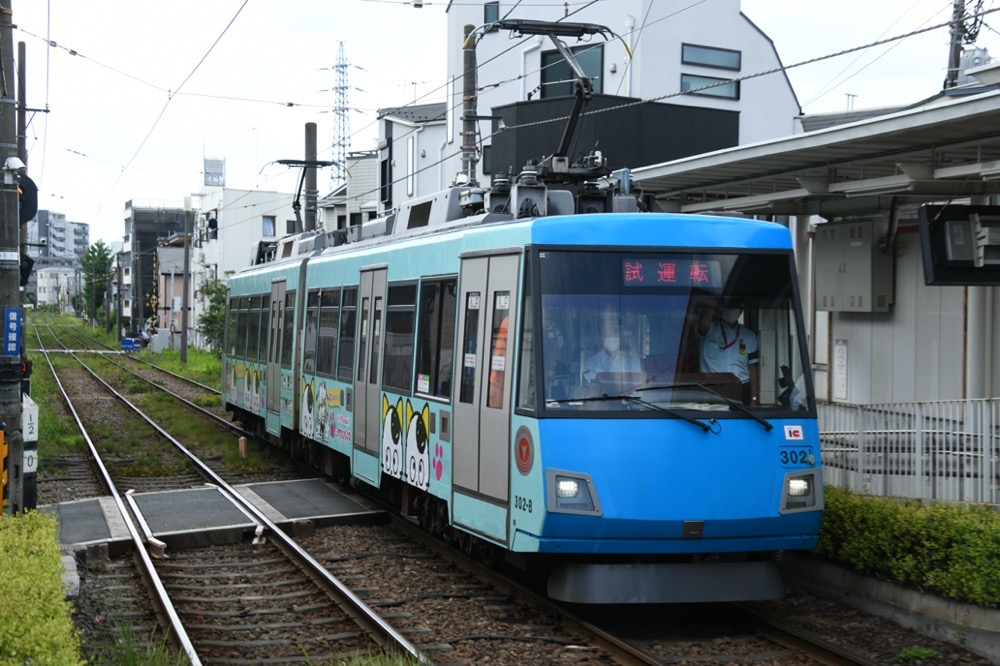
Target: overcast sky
[{"x": 138, "y": 92}]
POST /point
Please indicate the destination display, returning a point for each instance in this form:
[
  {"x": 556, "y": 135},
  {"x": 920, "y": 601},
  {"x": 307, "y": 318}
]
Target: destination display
[{"x": 671, "y": 272}]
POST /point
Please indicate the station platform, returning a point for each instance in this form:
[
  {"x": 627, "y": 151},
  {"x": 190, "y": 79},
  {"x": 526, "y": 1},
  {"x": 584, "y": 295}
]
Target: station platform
[{"x": 203, "y": 515}]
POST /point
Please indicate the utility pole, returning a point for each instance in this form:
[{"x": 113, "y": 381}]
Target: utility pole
[
  {"x": 22, "y": 104},
  {"x": 469, "y": 128},
  {"x": 310, "y": 176},
  {"x": 118, "y": 295},
  {"x": 10, "y": 268},
  {"x": 955, "y": 48},
  {"x": 187, "y": 280}
]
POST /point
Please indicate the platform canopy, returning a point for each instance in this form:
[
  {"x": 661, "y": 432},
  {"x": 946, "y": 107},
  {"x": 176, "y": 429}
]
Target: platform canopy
[{"x": 947, "y": 148}]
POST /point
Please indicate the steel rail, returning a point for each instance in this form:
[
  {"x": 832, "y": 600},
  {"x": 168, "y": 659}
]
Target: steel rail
[
  {"x": 623, "y": 651},
  {"x": 201, "y": 411},
  {"x": 356, "y": 608},
  {"x": 162, "y": 599},
  {"x": 822, "y": 650},
  {"x": 111, "y": 349}
]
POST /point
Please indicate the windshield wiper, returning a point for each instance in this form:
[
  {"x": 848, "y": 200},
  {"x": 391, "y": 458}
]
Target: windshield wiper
[
  {"x": 733, "y": 404},
  {"x": 639, "y": 401}
]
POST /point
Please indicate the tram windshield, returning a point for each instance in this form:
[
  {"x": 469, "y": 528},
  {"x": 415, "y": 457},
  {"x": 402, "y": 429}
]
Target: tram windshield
[{"x": 654, "y": 331}]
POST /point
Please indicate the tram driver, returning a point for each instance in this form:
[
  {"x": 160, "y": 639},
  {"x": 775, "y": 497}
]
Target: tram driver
[
  {"x": 728, "y": 346},
  {"x": 610, "y": 358}
]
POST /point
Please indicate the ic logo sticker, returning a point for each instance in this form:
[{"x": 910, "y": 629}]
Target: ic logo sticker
[
  {"x": 794, "y": 433},
  {"x": 524, "y": 450}
]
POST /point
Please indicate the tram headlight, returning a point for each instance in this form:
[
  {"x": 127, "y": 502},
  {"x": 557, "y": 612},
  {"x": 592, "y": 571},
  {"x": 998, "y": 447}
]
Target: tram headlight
[
  {"x": 570, "y": 492},
  {"x": 803, "y": 491},
  {"x": 799, "y": 487},
  {"x": 567, "y": 487}
]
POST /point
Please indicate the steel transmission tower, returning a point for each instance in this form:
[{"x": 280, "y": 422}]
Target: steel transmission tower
[{"x": 341, "y": 121}]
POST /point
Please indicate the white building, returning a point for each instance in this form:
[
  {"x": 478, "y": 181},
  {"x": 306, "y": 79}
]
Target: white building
[
  {"x": 57, "y": 236},
  {"x": 228, "y": 225},
  {"x": 656, "y": 53},
  {"x": 356, "y": 201},
  {"x": 58, "y": 285}
]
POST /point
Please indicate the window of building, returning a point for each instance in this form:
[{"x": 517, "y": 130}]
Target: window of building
[
  {"x": 385, "y": 167},
  {"x": 487, "y": 159},
  {"x": 289, "y": 226},
  {"x": 268, "y": 226},
  {"x": 720, "y": 87},
  {"x": 400, "y": 317},
  {"x": 436, "y": 337},
  {"x": 558, "y": 79},
  {"x": 329, "y": 322},
  {"x": 707, "y": 56},
  {"x": 491, "y": 12}
]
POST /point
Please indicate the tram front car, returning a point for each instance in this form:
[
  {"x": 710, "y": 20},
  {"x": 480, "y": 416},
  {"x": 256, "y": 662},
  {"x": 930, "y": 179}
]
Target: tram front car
[{"x": 666, "y": 440}]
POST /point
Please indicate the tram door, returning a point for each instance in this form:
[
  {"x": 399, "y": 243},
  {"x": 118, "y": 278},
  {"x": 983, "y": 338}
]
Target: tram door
[
  {"x": 276, "y": 328},
  {"x": 482, "y": 405},
  {"x": 368, "y": 361}
]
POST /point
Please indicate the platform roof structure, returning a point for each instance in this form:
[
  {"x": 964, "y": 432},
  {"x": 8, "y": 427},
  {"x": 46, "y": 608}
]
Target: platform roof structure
[{"x": 947, "y": 148}]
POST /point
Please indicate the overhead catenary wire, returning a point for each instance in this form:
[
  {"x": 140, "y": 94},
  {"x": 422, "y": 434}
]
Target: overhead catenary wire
[
  {"x": 576, "y": 7},
  {"x": 169, "y": 99},
  {"x": 759, "y": 74}
]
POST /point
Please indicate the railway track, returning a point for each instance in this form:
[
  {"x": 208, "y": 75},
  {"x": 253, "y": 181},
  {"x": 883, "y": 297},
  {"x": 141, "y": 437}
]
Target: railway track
[
  {"x": 252, "y": 602},
  {"x": 325, "y": 598}
]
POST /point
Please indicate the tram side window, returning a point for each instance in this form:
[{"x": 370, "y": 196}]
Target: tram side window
[
  {"x": 242, "y": 324},
  {"x": 312, "y": 326},
  {"x": 436, "y": 337},
  {"x": 467, "y": 391},
  {"x": 397, "y": 369},
  {"x": 231, "y": 335},
  {"x": 363, "y": 337},
  {"x": 329, "y": 319},
  {"x": 526, "y": 373},
  {"x": 253, "y": 328},
  {"x": 498, "y": 344},
  {"x": 288, "y": 333},
  {"x": 348, "y": 326},
  {"x": 376, "y": 339}
]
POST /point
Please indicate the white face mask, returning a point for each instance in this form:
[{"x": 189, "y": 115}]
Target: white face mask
[
  {"x": 611, "y": 345},
  {"x": 730, "y": 315}
]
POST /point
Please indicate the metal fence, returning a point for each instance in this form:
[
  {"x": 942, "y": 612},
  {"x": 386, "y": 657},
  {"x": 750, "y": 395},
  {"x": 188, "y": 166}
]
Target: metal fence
[{"x": 946, "y": 450}]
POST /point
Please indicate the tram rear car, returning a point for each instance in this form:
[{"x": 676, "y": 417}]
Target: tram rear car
[{"x": 451, "y": 372}]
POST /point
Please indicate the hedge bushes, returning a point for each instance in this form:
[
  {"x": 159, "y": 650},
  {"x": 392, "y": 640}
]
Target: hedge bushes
[
  {"x": 952, "y": 550},
  {"x": 37, "y": 625}
]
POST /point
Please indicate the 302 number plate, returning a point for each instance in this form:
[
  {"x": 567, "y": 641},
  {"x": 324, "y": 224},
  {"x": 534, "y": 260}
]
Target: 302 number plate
[{"x": 796, "y": 456}]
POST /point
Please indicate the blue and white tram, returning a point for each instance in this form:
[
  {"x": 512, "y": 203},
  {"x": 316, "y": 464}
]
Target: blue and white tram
[{"x": 448, "y": 370}]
